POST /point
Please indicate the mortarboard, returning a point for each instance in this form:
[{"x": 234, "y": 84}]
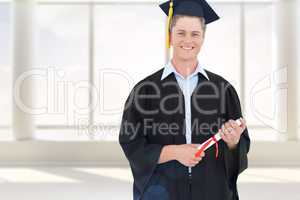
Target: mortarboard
[{"x": 197, "y": 8}]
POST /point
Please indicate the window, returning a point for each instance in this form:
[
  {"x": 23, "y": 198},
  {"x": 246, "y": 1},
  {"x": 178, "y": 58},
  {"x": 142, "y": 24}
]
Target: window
[
  {"x": 5, "y": 70},
  {"x": 63, "y": 62},
  {"x": 129, "y": 45},
  {"x": 259, "y": 84},
  {"x": 222, "y": 41}
]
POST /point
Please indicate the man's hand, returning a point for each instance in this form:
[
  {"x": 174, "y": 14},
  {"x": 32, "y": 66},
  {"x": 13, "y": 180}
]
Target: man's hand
[
  {"x": 231, "y": 132},
  {"x": 185, "y": 154}
]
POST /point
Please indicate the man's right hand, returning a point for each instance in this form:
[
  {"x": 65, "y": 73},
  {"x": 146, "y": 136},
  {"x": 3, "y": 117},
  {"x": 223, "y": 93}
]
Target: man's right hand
[{"x": 185, "y": 154}]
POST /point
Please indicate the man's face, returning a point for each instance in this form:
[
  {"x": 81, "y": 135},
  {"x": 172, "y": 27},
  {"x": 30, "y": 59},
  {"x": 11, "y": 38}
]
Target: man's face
[{"x": 187, "y": 38}]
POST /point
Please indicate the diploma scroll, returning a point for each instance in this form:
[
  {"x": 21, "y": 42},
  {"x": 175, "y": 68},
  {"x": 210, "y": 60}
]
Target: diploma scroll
[{"x": 211, "y": 141}]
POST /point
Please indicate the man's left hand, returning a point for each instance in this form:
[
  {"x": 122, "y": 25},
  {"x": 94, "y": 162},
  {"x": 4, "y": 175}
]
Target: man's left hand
[{"x": 231, "y": 132}]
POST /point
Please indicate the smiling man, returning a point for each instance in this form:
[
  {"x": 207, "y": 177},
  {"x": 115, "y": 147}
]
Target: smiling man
[{"x": 169, "y": 113}]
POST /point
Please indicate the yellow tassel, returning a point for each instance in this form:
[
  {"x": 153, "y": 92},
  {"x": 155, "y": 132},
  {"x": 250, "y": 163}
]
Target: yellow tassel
[{"x": 169, "y": 23}]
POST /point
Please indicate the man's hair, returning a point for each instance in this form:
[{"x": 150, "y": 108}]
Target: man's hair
[{"x": 176, "y": 17}]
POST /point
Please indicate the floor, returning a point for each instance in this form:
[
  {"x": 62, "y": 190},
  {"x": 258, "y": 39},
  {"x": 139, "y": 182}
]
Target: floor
[{"x": 74, "y": 183}]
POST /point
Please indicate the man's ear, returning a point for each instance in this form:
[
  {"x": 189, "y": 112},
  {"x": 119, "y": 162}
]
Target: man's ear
[{"x": 171, "y": 38}]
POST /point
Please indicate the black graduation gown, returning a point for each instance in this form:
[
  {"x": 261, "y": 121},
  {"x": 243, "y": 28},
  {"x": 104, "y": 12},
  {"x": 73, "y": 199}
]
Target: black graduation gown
[{"x": 154, "y": 116}]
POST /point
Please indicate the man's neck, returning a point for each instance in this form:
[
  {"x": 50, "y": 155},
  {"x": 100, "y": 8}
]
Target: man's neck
[{"x": 184, "y": 68}]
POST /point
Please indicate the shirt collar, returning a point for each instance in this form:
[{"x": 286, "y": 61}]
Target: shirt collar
[{"x": 169, "y": 68}]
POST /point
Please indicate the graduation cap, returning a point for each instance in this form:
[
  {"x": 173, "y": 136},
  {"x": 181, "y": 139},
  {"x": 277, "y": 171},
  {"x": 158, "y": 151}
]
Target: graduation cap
[{"x": 197, "y": 8}]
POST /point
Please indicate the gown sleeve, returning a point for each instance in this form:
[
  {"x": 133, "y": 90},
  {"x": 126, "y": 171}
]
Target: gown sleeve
[
  {"x": 142, "y": 156},
  {"x": 236, "y": 161}
]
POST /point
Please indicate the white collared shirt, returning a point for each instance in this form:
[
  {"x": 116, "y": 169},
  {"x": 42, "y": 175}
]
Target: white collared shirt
[{"x": 187, "y": 86}]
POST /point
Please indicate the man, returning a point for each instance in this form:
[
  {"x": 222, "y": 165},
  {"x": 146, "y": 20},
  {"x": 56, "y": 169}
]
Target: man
[{"x": 169, "y": 113}]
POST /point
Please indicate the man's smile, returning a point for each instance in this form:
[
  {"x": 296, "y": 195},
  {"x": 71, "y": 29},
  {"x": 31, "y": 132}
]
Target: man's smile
[{"x": 187, "y": 48}]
